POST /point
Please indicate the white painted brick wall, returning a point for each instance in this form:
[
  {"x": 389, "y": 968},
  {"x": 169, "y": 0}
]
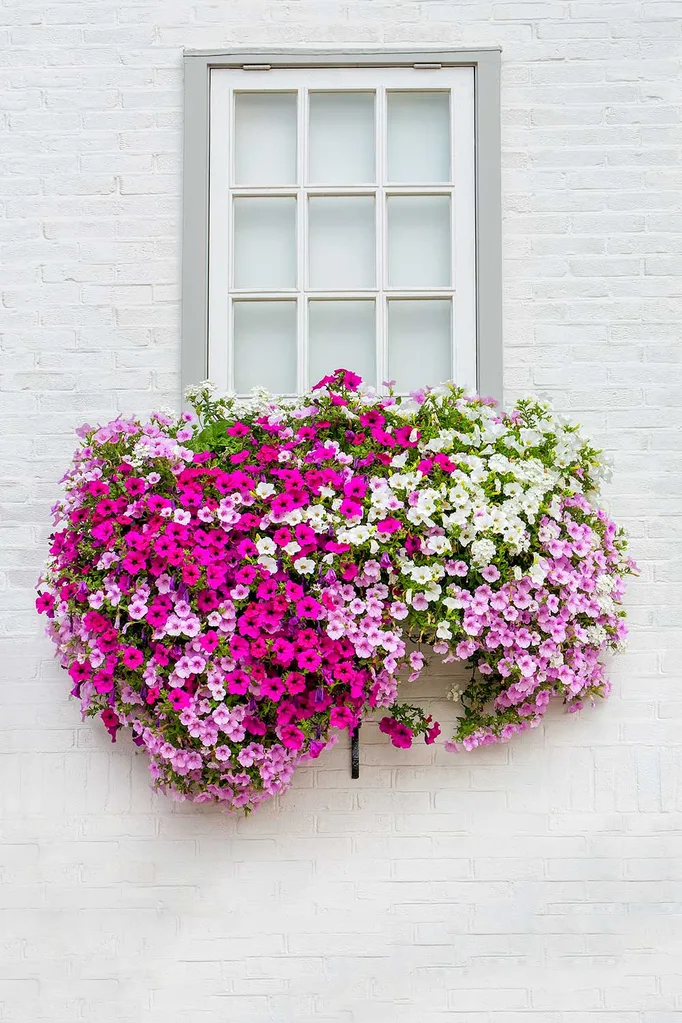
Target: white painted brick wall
[{"x": 538, "y": 881}]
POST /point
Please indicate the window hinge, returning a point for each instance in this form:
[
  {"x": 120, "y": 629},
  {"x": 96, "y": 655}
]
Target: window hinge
[
  {"x": 256, "y": 67},
  {"x": 427, "y": 67}
]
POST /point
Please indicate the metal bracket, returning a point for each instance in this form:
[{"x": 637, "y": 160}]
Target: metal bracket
[{"x": 355, "y": 753}]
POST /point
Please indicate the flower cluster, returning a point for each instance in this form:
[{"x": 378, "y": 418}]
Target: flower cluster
[{"x": 237, "y": 585}]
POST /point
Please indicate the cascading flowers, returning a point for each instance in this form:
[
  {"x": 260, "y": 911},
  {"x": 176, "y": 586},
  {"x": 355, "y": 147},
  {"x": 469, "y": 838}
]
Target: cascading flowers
[{"x": 238, "y": 584}]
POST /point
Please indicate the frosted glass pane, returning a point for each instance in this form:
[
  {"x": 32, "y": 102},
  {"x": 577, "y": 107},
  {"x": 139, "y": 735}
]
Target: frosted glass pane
[
  {"x": 419, "y": 342},
  {"x": 341, "y": 250},
  {"x": 265, "y": 138},
  {"x": 341, "y": 138},
  {"x": 418, "y": 137},
  {"x": 419, "y": 241},
  {"x": 265, "y": 346},
  {"x": 265, "y": 243},
  {"x": 342, "y": 336}
]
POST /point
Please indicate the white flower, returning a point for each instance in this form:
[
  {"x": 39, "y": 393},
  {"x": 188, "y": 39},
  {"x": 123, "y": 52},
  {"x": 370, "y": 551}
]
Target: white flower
[
  {"x": 596, "y": 634},
  {"x": 606, "y": 603},
  {"x": 419, "y": 516},
  {"x": 458, "y": 495},
  {"x": 555, "y": 508},
  {"x": 305, "y": 566},
  {"x": 264, "y": 490},
  {"x": 355, "y": 535},
  {"x": 205, "y": 387},
  {"x": 482, "y": 552},
  {"x": 529, "y": 437},
  {"x": 538, "y": 570},
  {"x": 438, "y": 545},
  {"x": 266, "y": 546},
  {"x": 268, "y": 563}
]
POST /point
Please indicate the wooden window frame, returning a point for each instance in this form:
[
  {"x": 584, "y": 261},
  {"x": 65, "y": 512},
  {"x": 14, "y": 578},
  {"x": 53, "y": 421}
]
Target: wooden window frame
[{"x": 198, "y": 66}]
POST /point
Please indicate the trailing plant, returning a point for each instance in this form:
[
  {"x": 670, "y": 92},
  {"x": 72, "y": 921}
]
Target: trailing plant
[{"x": 238, "y": 584}]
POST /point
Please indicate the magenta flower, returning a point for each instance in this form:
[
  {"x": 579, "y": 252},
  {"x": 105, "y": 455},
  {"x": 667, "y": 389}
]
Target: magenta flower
[
  {"x": 273, "y": 688},
  {"x": 132, "y": 657},
  {"x": 389, "y": 525},
  {"x": 341, "y": 717},
  {"x": 351, "y": 509},
  {"x": 179, "y": 699},
  {"x": 295, "y": 683},
  {"x": 308, "y": 660},
  {"x": 432, "y": 733},
  {"x": 309, "y": 608},
  {"x": 45, "y": 604},
  {"x": 292, "y": 737}
]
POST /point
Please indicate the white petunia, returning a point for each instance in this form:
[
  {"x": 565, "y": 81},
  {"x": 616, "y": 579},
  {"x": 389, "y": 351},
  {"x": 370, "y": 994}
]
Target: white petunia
[
  {"x": 266, "y": 546},
  {"x": 268, "y": 563},
  {"x": 482, "y": 551}
]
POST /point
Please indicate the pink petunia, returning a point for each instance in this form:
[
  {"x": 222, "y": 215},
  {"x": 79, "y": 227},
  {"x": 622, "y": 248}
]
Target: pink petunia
[
  {"x": 309, "y": 608},
  {"x": 351, "y": 509},
  {"x": 308, "y": 660},
  {"x": 292, "y": 737},
  {"x": 273, "y": 689},
  {"x": 179, "y": 699},
  {"x": 432, "y": 733},
  {"x": 389, "y": 525},
  {"x": 45, "y": 604},
  {"x": 132, "y": 657}
]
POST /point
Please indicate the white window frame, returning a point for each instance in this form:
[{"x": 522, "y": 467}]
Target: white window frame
[{"x": 476, "y": 257}]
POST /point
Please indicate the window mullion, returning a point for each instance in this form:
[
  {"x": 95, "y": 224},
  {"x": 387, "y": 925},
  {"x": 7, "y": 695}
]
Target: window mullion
[
  {"x": 302, "y": 243},
  {"x": 463, "y": 205},
  {"x": 381, "y": 312}
]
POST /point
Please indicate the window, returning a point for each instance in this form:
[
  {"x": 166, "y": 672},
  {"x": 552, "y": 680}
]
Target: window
[{"x": 341, "y": 215}]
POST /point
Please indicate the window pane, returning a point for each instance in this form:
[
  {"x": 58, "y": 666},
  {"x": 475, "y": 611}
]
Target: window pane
[
  {"x": 265, "y": 138},
  {"x": 265, "y": 243},
  {"x": 342, "y": 246},
  {"x": 419, "y": 340},
  {"x": 342, "y": 336},
  {"x": 419, "y": 241},
  {"x": 341, "y": 138},
  {"x": 418, "y": 137},
  {"x": 265, "y": 346}
]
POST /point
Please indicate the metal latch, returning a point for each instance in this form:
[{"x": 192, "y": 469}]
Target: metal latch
[
  {"x": 427, "y": 67},
  {"x": 256, "y": 67}
]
